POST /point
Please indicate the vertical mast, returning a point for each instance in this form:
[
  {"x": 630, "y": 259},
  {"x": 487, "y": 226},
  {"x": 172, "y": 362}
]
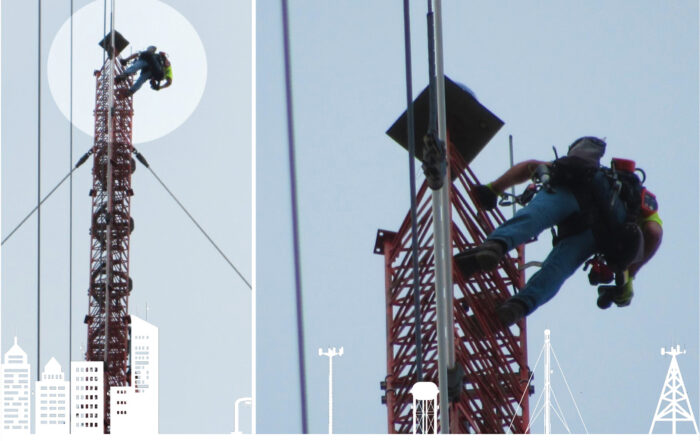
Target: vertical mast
[
  {"x": 510, "y": 148},
  {"x": 441, "y": 215},
  {"x": 110, "y": 200},
  {"x": 487, "y": 354},
  {"x": 111, "y": 224}
]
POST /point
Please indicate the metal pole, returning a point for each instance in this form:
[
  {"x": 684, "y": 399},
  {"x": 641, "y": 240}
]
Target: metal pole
[
  {"x": 70, "y": 223},
  {"x": 38, "y": 198},
  {"x": 441, "y": 218},
  {"x": 70, "y": 210},
  {"x": 547, "y": 385},
  {"x": 330, "y": 395},
  {"x": 521, "y": 277},
  {"x": 108, "y": 179},
  {"x": 412, "y": 179},
  {"x": 330, "y": 354},
  {"x": 445, "y": 206},
  {"x": 512, "y": 189}
]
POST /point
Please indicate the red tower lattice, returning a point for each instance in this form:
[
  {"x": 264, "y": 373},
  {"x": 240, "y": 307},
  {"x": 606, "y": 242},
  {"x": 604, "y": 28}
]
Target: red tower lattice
[
  {"x": 110, "y": 284},
  {"x": 494, "y": 398}
]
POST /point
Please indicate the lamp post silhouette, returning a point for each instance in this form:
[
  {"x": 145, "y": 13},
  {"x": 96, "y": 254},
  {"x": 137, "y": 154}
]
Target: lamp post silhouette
[
  {"x": 248, "y": 401},
  {"x": 330, "y": 354}
]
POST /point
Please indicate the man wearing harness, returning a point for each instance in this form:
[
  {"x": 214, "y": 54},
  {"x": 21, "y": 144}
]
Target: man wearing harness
[
  {"x": 153, "y": 66},
  {"x": 595, "y": 214}
]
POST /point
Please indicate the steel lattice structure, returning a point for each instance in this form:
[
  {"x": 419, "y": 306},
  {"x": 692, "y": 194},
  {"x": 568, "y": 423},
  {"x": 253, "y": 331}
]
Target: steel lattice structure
[
  {"x": 494, "y": 398},
  {"x": 110, "y": 284}
]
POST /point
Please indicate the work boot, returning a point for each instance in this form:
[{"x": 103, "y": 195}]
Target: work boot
[
  {"x": 510, "y": 311},
  {"x": 620, "y": 295},
  {"x": 485, "y": 257},
  {"x": 120, "y": 77}
]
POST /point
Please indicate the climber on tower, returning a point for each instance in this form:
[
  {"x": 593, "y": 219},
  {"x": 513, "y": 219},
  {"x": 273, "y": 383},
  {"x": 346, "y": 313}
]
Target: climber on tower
[
  {"x": 153, "y": 66},
  {"x": 598, "y": 210}
]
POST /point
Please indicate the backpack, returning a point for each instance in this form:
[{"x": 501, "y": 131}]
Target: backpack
[
  {"x": 156, "y": 64},
  {"x": 610, "y": 201}
]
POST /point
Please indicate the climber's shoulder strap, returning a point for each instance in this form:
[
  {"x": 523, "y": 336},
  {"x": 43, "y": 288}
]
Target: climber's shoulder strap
[{"x": 573, "y": 172}]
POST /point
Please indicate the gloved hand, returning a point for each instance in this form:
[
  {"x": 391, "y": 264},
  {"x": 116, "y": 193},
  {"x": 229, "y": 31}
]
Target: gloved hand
[
  {"x": 122, "y": 61},
  {"x": 624, "y": 296},
  {"x": 487, "y": 197},
  {"x": 155, "y": 85},
  {"x": 434, "y": 164}
]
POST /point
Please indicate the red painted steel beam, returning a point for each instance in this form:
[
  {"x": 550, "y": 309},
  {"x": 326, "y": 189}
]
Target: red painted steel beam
[
  {"x": 111, "y": 226},
  {"x": 494, "y": 359}
]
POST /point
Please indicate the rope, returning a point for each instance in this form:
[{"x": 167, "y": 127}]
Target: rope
[
  {"x": 38, "y": 198},
  {"x": 412, "y": 180},
  {"x": 81, "y": 161},
  {"x": 295, "y": 224},
  {"x": 198, "y": 226},
  {"x": 560, "y": 414},
  {"x": 37, "y": 207},
  {"x": 537, "y": 412},
  {"x": 104, "y": 28},
  {"x": 527, "y": 387},
  {"x": 567, "y": 386}
]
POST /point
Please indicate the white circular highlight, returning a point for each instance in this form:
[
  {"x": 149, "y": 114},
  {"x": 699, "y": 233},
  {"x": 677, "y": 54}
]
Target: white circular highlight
[{"x": 142, "y": 23}]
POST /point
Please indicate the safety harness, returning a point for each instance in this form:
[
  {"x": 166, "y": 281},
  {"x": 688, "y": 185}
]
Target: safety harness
[
  {"x": 156, "y": 64},
  {"x": 611, "y": 213},
  {"x": 611, "y": 200}
]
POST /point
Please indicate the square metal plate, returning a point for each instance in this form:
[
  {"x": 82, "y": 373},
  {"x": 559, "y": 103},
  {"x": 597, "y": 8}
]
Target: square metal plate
[
  {"x": 119, "y": 42},
  {"x": 470, "y": 125}
]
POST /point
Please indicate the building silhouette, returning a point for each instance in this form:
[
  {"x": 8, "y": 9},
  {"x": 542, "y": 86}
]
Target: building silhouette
[
  {"x": 15, "y": 373},
  {"x": 87, "y": 397},
  {"x": 52, "y": 402},
  {"x": 135, "y": 407},
  {"x": 78, "y": 406}
]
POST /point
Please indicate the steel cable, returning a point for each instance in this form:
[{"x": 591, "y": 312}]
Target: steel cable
[
  {"x": 569, "y": 389},
  {"x": 198, "y": 226},
  {"x": 295, "y": 223},
  {"x": 526, "y": 389},
  {"x": 80, "y": 162},
  {"x": 37, "y": 207}
]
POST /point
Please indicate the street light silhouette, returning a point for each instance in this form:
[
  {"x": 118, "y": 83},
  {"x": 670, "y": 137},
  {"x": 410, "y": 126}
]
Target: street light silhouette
[
  {"x": 246, "y": 400},
  {"x": 330, "y": 354}
]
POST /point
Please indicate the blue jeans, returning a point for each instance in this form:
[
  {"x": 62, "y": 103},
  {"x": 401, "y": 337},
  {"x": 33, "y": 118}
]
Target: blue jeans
[
  {"x": 137, "y": 65},
  {"x": 545, "y": 210},
  {"x": 548, "y": 209}
]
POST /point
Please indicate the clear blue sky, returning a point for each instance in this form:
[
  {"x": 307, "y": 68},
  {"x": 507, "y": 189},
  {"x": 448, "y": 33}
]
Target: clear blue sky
[
  {"x": 553, "y": 71},
  {"x": 201, "y": 307}
]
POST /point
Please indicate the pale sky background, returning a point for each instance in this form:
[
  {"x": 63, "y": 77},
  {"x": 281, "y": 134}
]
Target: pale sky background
[
  {"x": 200, "y": 306},
  {"x": 553, "y": 71}
]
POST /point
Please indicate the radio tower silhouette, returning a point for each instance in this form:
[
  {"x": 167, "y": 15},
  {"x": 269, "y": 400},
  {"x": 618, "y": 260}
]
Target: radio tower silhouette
[
  {"x": 674, "y": 405},
  {"x": 108, "y": 313}
]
